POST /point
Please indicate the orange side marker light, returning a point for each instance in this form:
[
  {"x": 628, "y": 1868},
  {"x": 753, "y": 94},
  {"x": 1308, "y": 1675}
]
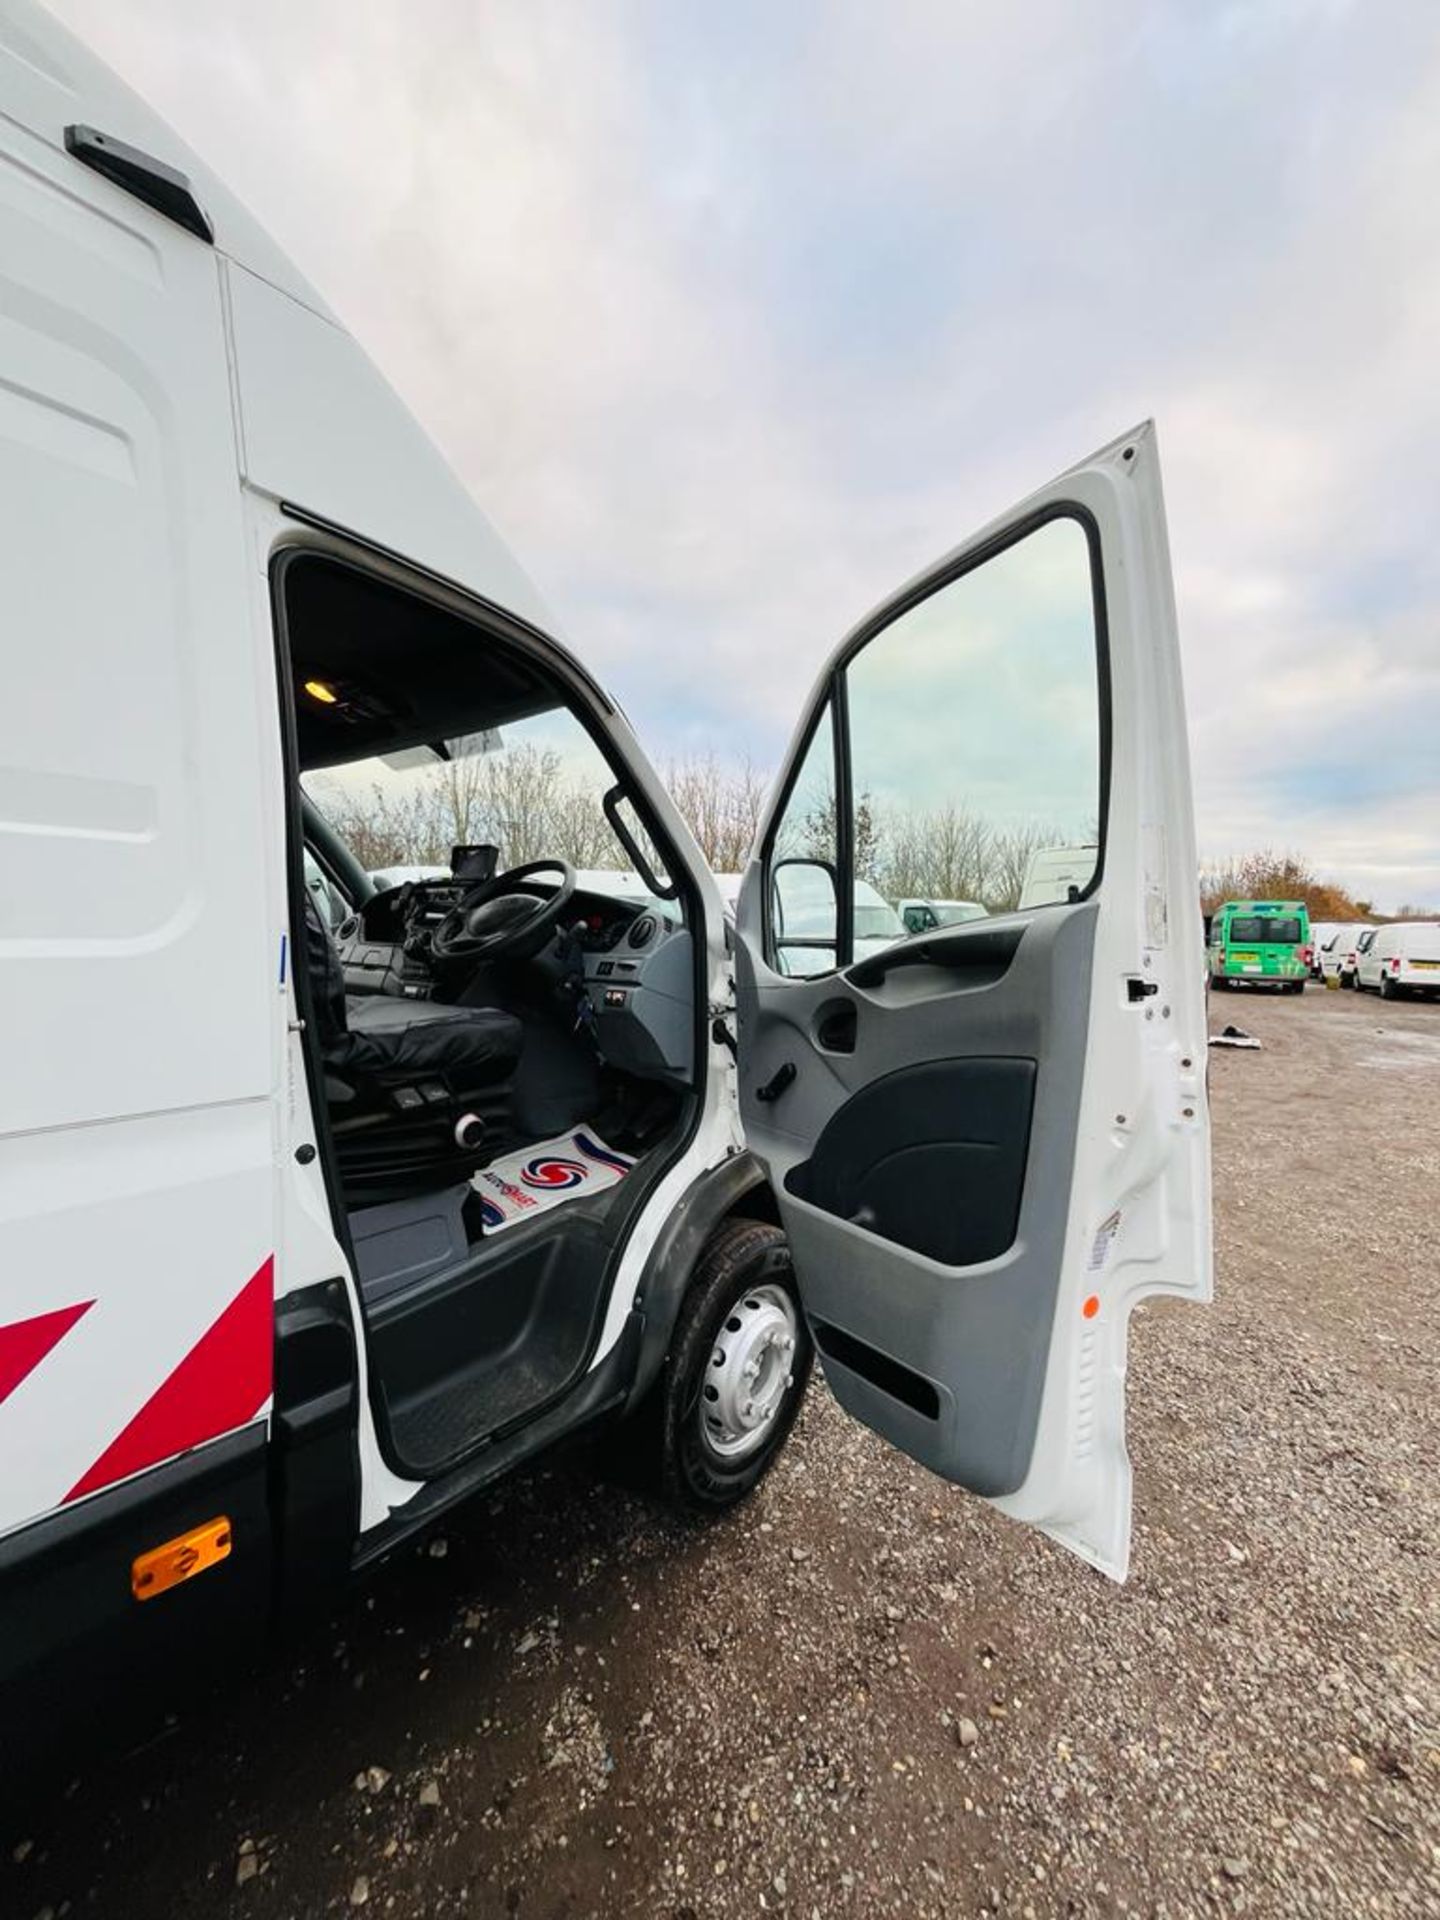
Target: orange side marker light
[
  {"x": 1091, "y": 1306},
  {"x": 181, "y": 1559}
]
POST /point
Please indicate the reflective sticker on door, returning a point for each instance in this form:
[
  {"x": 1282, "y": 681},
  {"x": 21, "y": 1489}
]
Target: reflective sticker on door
[{"x": 1103, "y": 1241}]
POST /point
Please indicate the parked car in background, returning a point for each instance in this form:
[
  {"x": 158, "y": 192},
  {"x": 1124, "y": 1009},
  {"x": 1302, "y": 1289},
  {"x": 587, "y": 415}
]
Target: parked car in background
[
  {"x": 921, "y": 915},
  {"x": 1260, "y": 943},
  {"x": 1402, "y": 959},
  {"x": 1340, "y": 948}
]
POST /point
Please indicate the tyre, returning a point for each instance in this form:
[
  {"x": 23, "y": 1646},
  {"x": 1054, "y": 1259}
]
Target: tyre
[
  {"x": 736, "y": 1373},
  {"x": 1389, "y": 990}
]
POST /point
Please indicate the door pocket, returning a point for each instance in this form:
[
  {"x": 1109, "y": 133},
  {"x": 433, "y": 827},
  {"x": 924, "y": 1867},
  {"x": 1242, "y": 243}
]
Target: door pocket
[
  {"x": 930, "y": 1158},
  {"x": 836, "y": 1025}
]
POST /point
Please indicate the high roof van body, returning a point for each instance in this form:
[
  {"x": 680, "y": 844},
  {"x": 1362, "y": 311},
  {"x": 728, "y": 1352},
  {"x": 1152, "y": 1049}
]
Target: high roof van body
[{"x": 324, "y": 1204}]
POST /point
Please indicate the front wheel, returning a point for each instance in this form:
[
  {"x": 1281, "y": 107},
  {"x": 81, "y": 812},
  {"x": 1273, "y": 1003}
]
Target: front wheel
[{"x": 737, "y": 1370}]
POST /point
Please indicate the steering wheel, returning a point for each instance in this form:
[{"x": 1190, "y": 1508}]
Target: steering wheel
[{"x": 505, "y": 919}]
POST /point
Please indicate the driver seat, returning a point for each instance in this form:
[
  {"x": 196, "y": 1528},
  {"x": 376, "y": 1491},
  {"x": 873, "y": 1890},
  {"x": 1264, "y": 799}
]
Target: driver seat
[{"x": 418, "y": 1093}]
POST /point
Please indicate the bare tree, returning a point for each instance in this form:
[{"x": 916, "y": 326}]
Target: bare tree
[
  {"x": 721, "y": 804},
  {"x": 1266, "y": 875},
  {"x": 1010, "y": 857},
  {"x": 940, "y": 855},
  {"x": 519, "y": 799}
]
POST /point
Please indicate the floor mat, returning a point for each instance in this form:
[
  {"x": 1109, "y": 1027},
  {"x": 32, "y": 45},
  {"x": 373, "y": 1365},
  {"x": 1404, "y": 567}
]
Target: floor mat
[{"x": 530, "y": 1181}]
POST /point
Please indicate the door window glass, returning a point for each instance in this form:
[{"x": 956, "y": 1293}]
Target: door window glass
[{"x": 975, "y": 726}]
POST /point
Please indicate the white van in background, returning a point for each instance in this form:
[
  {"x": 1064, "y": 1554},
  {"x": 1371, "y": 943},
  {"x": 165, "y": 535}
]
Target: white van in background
[
  {"x": 1350, "y": 965},
  {"x": 1056, "y": 875},
  {"x": 1337, "y": 954},
  {"x": 1320, "y": 932},
  {"x": 1402, "y": 959}
]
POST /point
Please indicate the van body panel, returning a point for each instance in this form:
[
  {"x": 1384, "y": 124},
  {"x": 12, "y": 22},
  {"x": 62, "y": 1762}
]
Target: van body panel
[
  {"x": 322, "y": 430},
  {"x": 133, "y": 857},
  {"x": 136, "y": 1102},
  {"x": 152, "y": 1229}
]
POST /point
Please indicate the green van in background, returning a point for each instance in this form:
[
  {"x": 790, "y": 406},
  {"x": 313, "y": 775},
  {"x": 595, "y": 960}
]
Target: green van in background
[{"x": 1259, "y": 941}]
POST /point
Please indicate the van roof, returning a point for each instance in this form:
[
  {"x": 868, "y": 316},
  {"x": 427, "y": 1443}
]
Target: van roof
[{"x": 1262, "y": 906}]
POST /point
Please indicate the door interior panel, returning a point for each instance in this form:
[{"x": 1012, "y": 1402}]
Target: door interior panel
[
  {"x": 931, "y": 1157},
  {"x": 933, "y": 1296}
]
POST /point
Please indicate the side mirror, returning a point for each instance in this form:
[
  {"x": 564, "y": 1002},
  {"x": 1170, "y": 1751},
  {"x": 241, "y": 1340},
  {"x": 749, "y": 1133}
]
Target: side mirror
[{"x": 804, "y": 917}]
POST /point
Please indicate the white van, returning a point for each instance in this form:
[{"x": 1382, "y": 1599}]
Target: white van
[
  {"x": 1336, "y": 954},
  {"x": 309, "y": 1233},
  {"x": 1056, "y": 875},
  {"x": 1353, "y": 954},
  {"x": 1402, "y": 959},
  {"x": 1320, "y": 932}
]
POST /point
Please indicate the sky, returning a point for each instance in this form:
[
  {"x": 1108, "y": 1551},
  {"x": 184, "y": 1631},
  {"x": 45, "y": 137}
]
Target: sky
[{"x": 733, "y": 318}]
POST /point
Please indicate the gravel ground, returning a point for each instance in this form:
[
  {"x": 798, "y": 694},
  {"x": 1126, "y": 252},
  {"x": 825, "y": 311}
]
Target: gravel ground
[{"x": 868, "y": 1695}]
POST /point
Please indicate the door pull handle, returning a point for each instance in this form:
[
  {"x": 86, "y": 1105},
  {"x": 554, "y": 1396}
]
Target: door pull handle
[{"x": 777, "y": 1083}]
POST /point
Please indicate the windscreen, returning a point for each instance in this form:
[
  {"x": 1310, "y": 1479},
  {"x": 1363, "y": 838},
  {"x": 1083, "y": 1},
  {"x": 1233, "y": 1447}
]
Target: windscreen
[
  {"x": 531, "y": 790},
  {"x": 1258, "y": 930}
]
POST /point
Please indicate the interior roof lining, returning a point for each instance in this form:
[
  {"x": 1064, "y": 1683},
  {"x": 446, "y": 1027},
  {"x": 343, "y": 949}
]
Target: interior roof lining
[{"x": 431, "y": 673}]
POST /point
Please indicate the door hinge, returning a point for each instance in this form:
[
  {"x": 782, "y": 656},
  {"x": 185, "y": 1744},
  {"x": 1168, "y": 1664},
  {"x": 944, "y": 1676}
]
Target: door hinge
[
  {"x": 1138, "y": 990},
  {"x": 722, "y": 1036}
]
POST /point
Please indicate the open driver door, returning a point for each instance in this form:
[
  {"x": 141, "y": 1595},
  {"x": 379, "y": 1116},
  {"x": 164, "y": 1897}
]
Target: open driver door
[{"x": 990, "y": 1140}]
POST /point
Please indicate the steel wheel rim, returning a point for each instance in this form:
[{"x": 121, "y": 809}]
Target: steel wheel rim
[{"x": 750, "y": 1372}]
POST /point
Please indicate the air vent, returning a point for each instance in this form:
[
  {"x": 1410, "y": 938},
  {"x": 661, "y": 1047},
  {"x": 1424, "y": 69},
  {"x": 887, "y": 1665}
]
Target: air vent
[{"x": 643, "y": 931}]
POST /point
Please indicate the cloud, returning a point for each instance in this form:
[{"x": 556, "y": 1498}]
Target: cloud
[{"x": 734, "y": 318}]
